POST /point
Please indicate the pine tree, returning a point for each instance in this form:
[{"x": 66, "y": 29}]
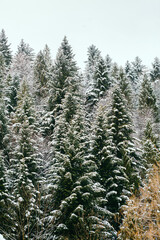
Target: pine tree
[
  {"x": 5, "y": 48},
  {"x": 155, "y": 72}
]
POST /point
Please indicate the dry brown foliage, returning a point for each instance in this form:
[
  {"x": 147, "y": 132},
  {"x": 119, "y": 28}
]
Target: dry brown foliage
[{"x": 142, "y": 214}]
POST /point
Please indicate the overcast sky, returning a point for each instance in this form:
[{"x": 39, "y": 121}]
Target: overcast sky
[{"x": 123, "y": 29}]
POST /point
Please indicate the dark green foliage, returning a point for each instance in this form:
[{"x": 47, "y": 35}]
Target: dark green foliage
[
  {"x": 5, "y": 48},
  {"x": 121, "y": 163},
  {"x": 125, "y": 86},
  {"x": 69, "y": 158},
  {"x": 43, "y": 72},
  {"x": 4, "y": 196},
  {"x": 147, "y": 99},
  {"x": 64, "y": 68},
  {"x": 150, "y": 148},
  {"x": 12, "y": 88},
  {"x": 65, "y": 72},
  {"x": 155, "y": 72},
  {"x": 3, "y": 126}
]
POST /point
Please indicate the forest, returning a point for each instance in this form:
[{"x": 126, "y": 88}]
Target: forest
[{"x": 79, "y": 150}]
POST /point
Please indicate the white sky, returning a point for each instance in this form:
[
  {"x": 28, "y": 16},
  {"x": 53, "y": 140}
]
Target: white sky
[{"x": 123, "y": 29}]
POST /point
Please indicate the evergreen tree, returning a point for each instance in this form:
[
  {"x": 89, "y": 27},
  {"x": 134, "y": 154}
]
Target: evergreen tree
[
  {"x": 147, "y": 99},
  {"x": 93, "y": 57},
  {"x": 114, "y": 73},
  {"x": 12, "y": 87},
  {"x": 137, "y": 68},
  {"x": 2, "y": 74},
  {"x": 25, "y": 166},
  {"x": 24, "y": 206},
  {"x": 151, "y": 153},
  {"x": 22, "y": 64},
  {"x": 108, "y": 62},
  {"x": 65, "y": 69},
  {"x": 5, "y": 48},
  {"x": 24, "y": 48},
  {"x": 121, "y": 161},
  {"x": 125, "y": 86},
  {"x": 43, "y": 71},
  {"x": 78, "y": 204},
  {"x": 155, "y": 72},
  {"x": 101, "y": 84},
  {"x": 3, "y": 126},
  {"x": 4, "y": 197}
]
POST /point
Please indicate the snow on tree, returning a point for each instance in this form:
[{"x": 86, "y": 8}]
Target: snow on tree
[
  {"x": 78, "y": 207},
  {"x": 24, "y": 48},
  {"x": 11, "y": 91},
  {"x": 147, "y": 99},
  {"x": 25, "y": 168},
  {"x": 121, "y": 161},
  {"x": 137, "y": 68},
  {"x": 125, "y": 85},
  {"x": 5, "y": 48},
  {"x": 151, "y": 153},
  {"x": 1, "y": 237},
  {"x": 22, "y": 64},
  {"x": 4, "y": 196},
  {"x": 155, "y": 72},
  {"x": 43, "y": 72},
  {"x": 64, "y": 69},
  {"x": 101, "y": 83}
]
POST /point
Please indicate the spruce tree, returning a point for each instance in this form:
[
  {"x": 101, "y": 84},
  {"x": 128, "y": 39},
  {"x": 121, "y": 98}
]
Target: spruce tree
[
  {"x": 155, "y": 72},
  {"x": 151, "y": 153},
  {"x": 64, "y": 69},
  {"x": 5, "y": 48},
  {"x": 22, "y": 64},
  {"x": 121, "y": 162},
  {"x": 11, "y": 91},
  {"x": 147, "y": 99},
  {"x": 93, "y": 58},
  {"x": 25, "y": 168},
  {"x": 125, "y": 86},
  {"x": 24, "y": 48},
  {"x": 101, "y": 83},
  {"x": 43, "y": 72},
  {"x": 137, "y": 68},
  {"x": 78, "y": 204},
  {"x": 4, "y": 199}
]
